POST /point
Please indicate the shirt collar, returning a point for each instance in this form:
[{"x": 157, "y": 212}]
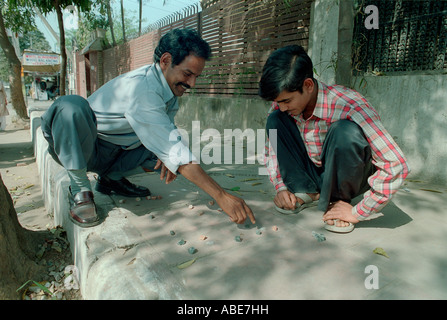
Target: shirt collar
[
  {"x": 167, "y": 94},
  {"x": 321, "y": 100},
  {"x": 320, "y": 103}
]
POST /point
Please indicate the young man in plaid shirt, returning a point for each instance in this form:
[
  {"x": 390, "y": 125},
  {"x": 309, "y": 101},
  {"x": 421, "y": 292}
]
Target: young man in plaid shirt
[{"x": 330, "y": 145}]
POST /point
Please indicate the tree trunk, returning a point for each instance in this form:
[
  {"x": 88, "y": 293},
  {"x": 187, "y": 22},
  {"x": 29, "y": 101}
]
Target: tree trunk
[
  {"x": 60, "y": 22},
  {"x": 17, "y": 249},
  {"x": 15, "y": 72},
  {"x": 122, "y": 19},
  {"x": 140, "y": 17},
  {"x": 109, "y": 16}
]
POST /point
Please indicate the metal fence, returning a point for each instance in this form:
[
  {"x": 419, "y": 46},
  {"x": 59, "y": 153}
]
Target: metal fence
[
  {"x": 412, "y": 36},
  {"x": 241, "y": 33}
]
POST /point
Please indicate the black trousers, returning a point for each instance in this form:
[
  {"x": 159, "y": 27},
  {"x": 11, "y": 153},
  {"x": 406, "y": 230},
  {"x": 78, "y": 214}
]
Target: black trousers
[{"x": 346, "y": 160}]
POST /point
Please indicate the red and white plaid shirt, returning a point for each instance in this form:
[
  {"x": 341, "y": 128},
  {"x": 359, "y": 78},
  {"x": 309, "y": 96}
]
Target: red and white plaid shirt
[{"x": 337, "y": 103}]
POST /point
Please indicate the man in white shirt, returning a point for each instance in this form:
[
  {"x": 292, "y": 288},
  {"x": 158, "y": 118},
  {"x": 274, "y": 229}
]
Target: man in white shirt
[{"x": 129, "y": 122}]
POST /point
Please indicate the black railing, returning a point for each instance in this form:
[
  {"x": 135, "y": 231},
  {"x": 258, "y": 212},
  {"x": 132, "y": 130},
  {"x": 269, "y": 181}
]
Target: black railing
[{"x": 412, "y": 36}]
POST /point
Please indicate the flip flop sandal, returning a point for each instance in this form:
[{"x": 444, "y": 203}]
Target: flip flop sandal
[
  {"x": 334, "y": 228},
  {"x": 308, "y": 202}
]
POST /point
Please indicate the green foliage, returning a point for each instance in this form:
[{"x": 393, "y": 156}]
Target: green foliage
[
  {"x": 17, "y": 17},
  {"x": 34, "y": 40},
  {"x": 97, "y": 19},
  {"x": 47, "y": 6},
  {"x": 89, "y": 21},
  {"x": 130, "y": 22}
]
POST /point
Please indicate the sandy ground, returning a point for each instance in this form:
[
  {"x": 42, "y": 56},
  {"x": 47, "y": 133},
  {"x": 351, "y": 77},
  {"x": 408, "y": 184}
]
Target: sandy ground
[{"x": 20, "y": 175}]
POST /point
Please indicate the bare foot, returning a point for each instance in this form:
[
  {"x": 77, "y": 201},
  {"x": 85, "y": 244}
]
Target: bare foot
[
  {"x": 313, "y": 196},
  {"x": 339, "y": 223}
]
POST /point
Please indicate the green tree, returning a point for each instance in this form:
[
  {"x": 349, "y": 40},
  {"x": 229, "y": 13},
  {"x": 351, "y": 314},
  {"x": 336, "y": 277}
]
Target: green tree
[
  {"x": 47, "y": 6},
  {"x": 34, "y": 40},
  {"x": 122, "y": 21},
  {"x": 131, "y": 27},
  {"x": 110, "y": 19},
  {"x": 17, "y": 245},
  {"x": 18, "y": 19},
  {"x": 97, "y": 18}
]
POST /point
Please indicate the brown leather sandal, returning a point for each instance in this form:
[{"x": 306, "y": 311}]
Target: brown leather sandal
[{"x": 83, "y": 209}]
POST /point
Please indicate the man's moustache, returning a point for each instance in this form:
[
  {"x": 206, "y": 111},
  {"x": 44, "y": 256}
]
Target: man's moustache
[{"x": 185, "y": 85}]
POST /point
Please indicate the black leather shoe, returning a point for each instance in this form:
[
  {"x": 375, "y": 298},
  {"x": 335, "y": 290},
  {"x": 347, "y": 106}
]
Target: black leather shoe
[{"x": 122, "y": 187}]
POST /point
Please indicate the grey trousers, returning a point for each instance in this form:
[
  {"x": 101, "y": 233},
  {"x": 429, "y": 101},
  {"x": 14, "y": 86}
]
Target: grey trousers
[
  {"x": 346, "y": 160},
  {"x": 69, "y": 126}
]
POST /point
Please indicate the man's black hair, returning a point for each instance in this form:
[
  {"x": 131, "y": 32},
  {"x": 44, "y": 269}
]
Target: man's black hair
[
  {"x": 285, "y": 69},
  {"x": 181, "y": 43}
]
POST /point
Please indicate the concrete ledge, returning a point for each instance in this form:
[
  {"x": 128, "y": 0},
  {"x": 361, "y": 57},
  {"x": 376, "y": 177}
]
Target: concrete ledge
[
  {"x": 102, "y": 252},
  {"x": 133, "y": 254}
]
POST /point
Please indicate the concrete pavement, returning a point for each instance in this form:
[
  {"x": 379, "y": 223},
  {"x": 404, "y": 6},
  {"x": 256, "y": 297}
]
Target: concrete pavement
[{"x": 140, "y": 248}]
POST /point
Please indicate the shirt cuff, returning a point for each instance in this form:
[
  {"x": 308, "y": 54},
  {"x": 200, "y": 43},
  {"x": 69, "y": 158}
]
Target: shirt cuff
[
  {"x": 359, "y": 214},
  {"x": 280, "y": 187},
  {"x": 179, "y": 155}
]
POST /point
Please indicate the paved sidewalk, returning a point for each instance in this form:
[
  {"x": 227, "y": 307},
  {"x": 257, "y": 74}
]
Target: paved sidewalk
[{"x": 137, "y": 251}]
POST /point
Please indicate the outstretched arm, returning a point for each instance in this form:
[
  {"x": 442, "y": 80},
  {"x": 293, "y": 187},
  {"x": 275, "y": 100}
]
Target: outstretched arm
[{"x": 234, "y": 207}]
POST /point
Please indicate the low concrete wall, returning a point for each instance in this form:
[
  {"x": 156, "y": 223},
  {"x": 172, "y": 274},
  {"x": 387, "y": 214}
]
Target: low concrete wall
[
  {"x": 222, "y": 113},
  {"x": 414, "y": 110},
  {"x": 98, "y": 251}
]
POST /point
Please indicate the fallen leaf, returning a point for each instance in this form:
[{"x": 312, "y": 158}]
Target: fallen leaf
[
  {"x": 229, "y": 175},
  {"x": 249, "y": 179},
  {"x": 380, "y": 251},
  {"x": 56, "y": 246},
  {"x": 186, "y": 264},
  {"x": 40, "y": 285},
  {"x": 319, "y": 236},
  {"x": 235, "y": 189},
  {"x": 431, "y": 190}
]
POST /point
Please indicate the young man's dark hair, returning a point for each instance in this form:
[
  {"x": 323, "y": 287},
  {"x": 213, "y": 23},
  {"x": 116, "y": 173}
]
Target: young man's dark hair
[
  {"x": 285, "y": 69},
  {"x": 180, "y": 43}
]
